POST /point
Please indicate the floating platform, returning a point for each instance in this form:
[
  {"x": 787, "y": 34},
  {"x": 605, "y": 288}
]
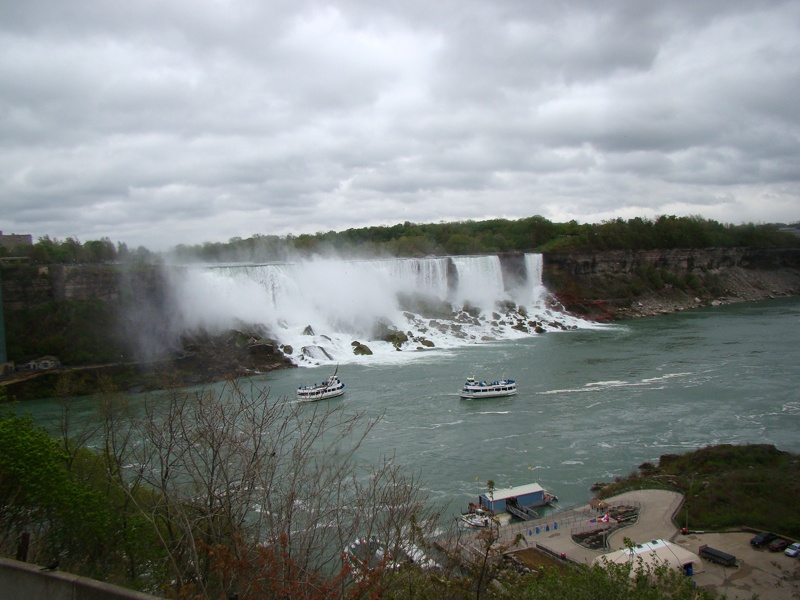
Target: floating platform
[{"x": 519, "y": 501}]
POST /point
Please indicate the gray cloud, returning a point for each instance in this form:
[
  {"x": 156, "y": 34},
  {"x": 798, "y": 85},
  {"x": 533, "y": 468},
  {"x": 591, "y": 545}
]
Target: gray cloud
[{"x": 182, "y": 122}]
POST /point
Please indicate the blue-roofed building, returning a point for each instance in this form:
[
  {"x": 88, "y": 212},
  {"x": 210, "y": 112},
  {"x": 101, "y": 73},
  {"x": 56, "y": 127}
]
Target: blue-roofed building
[{"x": 530, "y": 495}]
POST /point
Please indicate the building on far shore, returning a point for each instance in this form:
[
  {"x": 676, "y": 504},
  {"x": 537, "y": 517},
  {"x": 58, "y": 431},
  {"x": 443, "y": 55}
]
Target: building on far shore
[
  {"x": 43, "y": 363},
  {"x": 13, "y": 240}
]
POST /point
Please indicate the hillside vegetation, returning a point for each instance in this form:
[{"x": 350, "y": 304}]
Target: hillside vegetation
[{"x": 727, "y": 487}]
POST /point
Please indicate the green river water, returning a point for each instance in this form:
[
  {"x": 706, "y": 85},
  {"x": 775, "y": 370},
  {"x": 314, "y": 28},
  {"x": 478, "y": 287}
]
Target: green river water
[{"x": 592, "y": 404}]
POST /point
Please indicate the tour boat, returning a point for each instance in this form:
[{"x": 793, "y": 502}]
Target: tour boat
[
  {"x": 482, "y": 389},
  {"x": 330, "y": 388}
]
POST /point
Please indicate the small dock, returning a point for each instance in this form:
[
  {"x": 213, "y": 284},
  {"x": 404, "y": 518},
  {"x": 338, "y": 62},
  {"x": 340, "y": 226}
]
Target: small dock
[
  {"x": 525, "y": 513},
  {"x": 519, "y": 501}
]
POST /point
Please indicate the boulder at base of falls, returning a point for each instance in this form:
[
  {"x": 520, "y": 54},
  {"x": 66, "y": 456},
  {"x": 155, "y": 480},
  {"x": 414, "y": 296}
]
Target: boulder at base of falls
[
  {"x": 361, "y": 349},
  {"x": 396, "y": 338},
  {"x": 315, "y": 353}
]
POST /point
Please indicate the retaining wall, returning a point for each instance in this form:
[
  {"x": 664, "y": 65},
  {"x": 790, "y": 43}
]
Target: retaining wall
[{"x": 23, "y": 580}]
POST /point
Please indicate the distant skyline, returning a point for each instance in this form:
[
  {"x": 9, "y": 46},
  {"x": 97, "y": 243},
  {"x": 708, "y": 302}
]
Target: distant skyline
[{"x": 178, "y": 122}]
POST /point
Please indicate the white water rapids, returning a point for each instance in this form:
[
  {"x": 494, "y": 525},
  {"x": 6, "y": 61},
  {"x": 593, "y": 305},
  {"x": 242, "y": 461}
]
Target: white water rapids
[{"x": 319, "y": 309}]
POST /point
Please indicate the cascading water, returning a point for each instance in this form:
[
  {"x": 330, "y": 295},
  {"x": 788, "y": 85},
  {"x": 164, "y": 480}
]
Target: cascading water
[
  {"x": 480, "y": 281},
  {"x": 537, "y": 292},
  {"x": 321, "y": 309}
]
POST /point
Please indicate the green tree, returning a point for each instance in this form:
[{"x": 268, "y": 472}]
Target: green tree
[
  {"x": 39, "y": 498},
  {"x": 99, "y": 251}
]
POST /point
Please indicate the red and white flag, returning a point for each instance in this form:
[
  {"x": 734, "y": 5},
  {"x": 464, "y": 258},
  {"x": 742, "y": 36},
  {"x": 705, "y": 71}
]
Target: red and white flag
[{"x": 603, "y": 519}]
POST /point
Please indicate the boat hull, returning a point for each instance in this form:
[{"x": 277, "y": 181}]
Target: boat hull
[{"x": 488, "y": 394}]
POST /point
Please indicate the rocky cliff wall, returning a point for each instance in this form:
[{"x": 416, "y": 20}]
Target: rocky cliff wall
[
  {"x": 624, "y": 284},
  {"x": 30, "y": 286},
  {"x": 677, "y": 260},
  {"x": 84, "y": 314}
]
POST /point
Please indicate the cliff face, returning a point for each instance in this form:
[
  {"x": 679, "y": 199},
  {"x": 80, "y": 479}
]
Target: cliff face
[
  {"x": 623, "y": 284},
  {"x": 116, "y": 323},
  {"x": 28, "y": 286},
  {"x": 677, "y": 260},
  {"x": 81, "y": 313},
  {"x": 111, "y": 310}
]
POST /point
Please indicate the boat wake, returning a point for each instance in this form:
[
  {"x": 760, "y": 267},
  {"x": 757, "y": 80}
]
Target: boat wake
[{"x": 651, "y": 383}]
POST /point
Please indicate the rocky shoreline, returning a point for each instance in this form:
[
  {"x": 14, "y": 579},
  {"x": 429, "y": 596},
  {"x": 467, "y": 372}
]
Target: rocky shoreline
[{"x": 740, "y": 285}]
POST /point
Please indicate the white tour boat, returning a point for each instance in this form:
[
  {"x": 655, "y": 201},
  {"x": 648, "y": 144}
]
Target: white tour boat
[
  {"x": 482, "y": 389},
  {"x": 330, "y": 388}
]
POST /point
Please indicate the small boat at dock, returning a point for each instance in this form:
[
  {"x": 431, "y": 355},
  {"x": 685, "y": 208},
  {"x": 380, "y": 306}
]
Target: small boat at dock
[
  {"x": 475, "y": 520},
  {"x": 483, "y": 389}
]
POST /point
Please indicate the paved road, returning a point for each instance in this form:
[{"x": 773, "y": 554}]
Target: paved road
[{"x": 772, "y": 576}]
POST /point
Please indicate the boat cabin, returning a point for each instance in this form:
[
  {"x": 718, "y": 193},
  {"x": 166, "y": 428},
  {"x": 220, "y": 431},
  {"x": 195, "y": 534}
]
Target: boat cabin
[{"x": 528, "y": 495}]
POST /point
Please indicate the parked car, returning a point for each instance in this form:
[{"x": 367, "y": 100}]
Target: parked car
[
  {"x": 762, "y": 539},
  {"x": 778, "y": 545},
  {"x": 793, "y": 550}
]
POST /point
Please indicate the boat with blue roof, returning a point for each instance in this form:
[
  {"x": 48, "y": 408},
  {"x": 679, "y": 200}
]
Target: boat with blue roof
[{"x": 484, "y": 389}]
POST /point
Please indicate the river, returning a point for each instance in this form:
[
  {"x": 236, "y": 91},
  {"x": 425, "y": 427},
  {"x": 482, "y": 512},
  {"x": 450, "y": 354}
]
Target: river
[{"x": 592, "y": 405}]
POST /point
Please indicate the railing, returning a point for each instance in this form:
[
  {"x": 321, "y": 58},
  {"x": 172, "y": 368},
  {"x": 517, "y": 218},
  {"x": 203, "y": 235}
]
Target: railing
[{"x": 573, "y": 517}]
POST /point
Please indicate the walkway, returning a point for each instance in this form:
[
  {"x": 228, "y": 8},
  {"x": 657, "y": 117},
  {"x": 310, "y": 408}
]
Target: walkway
[{"x": 657, "y": 507}]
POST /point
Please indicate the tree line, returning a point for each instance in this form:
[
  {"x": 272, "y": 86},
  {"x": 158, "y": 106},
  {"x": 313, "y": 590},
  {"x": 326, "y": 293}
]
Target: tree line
[
  {"x": 71, "y": 250},
  {"x": 530, "y": 234}
]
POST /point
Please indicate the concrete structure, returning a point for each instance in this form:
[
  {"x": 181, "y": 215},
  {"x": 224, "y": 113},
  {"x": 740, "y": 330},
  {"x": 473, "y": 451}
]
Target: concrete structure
[
  {"x": 652, "y": 554},
  {"x": 770, "y": 575},
  {"x": 43, "y": 363},
  {"x": 23, "y": 580}
]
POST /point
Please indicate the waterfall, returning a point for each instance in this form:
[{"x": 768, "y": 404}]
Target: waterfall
[
  {"x": 533, "y": 271},
  {"x": 321, "y": 307},
  {"x": 480, "y": 281}
]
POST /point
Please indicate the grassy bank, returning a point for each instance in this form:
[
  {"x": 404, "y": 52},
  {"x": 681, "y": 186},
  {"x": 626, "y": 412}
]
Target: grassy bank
[{"x": 726, "y": 487}]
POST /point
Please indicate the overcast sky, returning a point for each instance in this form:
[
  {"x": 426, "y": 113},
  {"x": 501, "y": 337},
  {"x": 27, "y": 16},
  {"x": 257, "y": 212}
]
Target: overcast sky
[{"x": 163, "y": 122}]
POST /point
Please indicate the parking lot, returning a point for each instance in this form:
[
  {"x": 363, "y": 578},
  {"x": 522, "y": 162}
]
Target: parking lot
[{"x": 770, "y": 575}]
